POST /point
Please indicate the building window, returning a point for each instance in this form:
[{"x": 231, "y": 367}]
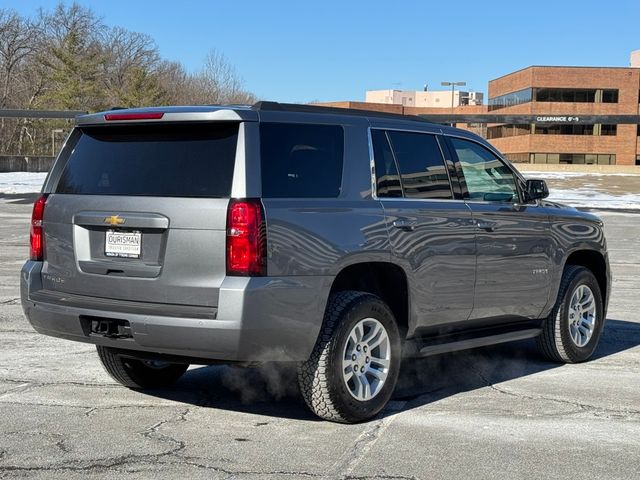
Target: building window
[
  {"x": 637, "y": 159},
  {"x": 574, "y": 158},
  {"x": 510, "y": 99},
  {"x": 508, "y": 130},
  {"x": 576, "y": 95},
  {"x": 517, "y": 157},
  {"x": 609, "y": 96},
  {"x": 572, "y": 129}
]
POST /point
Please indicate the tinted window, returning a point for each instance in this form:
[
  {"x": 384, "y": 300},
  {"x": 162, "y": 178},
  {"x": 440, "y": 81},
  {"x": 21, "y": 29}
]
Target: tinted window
[
  {"x": 422, "y": 168},
  {"x": 387, "y": 178},
  {"x": 610, "y": 96},
  {"x": 301, "y": 160},
  {"x": 576, "y": 95},
  {"x": 486, "y": 176},
  {"x": 154, "y": 160},
  {"x": 510, "y": 99}
]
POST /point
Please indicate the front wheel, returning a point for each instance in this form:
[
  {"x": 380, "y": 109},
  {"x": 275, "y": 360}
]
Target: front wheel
[
  {"x": 354, "y": 366},
  {"x": 572, "y": 330},
  {"x": 138, "y": 373}
]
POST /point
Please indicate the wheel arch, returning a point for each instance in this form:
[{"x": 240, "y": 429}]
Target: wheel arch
[
  {"x": 596, "y": 263},
  {"x": 384, "y": 279}
]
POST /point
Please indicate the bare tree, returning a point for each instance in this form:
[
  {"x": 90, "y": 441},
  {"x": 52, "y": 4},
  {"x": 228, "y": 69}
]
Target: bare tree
[
  {"x": 74, "y": 57},
  {"x": 218, "y": 82},
  {"x": 17, "y": 43},
  {"x": 175, "y": 81},
  {"x": 129, "y": 56},
  {"x": 67, "y": 58}
]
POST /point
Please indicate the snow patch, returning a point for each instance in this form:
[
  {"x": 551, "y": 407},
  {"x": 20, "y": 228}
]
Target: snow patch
[
  {"x": 587, "y": 198},
  {"x": 561, "y": 175},
  {"x": 21, "y": 182}
]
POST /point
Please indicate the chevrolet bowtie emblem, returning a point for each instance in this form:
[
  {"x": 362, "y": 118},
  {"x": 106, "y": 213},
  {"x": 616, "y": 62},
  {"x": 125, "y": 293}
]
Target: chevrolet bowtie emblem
[{"x": 114, "y": 220}]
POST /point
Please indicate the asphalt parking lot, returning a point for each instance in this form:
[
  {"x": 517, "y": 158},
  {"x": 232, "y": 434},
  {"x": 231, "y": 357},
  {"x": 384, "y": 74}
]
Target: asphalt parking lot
[{"x": 498, "y": 412}]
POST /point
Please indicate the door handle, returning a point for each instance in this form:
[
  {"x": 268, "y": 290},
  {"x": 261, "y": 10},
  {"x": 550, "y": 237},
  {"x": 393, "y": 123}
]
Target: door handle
[
  {"x": 488, "y": 226},
  {"x": 405, "y": 225}
]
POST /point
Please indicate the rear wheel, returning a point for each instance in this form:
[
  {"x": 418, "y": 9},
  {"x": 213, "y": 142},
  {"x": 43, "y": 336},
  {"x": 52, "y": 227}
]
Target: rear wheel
[
  {"x": 138, "y": 373},
  {"x": 572, "y": 330},
  {"x": 354, "y": 366}
]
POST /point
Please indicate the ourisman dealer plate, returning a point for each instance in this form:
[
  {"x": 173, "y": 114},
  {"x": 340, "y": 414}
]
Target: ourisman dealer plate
[{"x": 123, "y": 244}]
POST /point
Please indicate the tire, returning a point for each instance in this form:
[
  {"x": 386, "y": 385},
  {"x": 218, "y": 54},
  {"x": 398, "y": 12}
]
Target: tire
[
  {"x": 139, "y": 374},
  {"x": 351, "y": 315},
  {"x": 556, "y": 342}
]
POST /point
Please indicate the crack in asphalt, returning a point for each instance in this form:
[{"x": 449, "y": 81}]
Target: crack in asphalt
[
  {"x": 173, "y": 456},
  {"x": 45, "y": 384},
  {"x": 11, "y": 301},
  {"x": 380, "y": 477},
  {"x": 365, "y": 441},
  {"x": 107, "y": 463},
  {"x": 580, "y": 406},
  {"x": 90, "y": 409},
  {"x": 197, "y": 462}
]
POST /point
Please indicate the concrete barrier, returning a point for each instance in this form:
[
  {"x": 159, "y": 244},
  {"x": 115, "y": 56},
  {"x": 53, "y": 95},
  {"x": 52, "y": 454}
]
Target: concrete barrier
[{"x": 16, "y": 163}]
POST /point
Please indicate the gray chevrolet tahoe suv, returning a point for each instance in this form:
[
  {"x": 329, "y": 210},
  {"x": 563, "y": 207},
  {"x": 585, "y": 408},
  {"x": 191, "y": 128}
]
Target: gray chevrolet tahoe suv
[{"x": 341, "y": 240}]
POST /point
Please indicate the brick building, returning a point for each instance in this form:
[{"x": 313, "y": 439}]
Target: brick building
[
  {"x": 570, "y": 92},
  {"x": 480, "y": 129},
  {"x": 546, "y": 95}
]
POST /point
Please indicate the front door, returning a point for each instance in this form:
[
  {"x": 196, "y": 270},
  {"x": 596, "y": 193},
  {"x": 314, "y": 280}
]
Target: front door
[{"x": 513, "y": 240}]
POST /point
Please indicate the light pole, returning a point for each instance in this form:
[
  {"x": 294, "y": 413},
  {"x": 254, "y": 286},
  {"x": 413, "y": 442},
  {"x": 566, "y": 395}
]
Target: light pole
[
  {"x": 53, "y": 140},
  {"x": 453, "y": 85}
]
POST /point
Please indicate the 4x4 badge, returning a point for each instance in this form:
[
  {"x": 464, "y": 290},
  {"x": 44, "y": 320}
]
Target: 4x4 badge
[{"x": 114, "y": 220}]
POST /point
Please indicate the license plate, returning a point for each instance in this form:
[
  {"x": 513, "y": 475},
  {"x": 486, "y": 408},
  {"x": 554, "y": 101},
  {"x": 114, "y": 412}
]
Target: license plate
[{"x": 123, "y": 244}]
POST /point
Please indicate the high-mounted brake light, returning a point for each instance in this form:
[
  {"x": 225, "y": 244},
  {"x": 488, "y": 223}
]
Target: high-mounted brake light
[
  {"x": 134, "y": 116},
  {"x": 246, "y": 238},
  {"x": 36, "y": 235}
]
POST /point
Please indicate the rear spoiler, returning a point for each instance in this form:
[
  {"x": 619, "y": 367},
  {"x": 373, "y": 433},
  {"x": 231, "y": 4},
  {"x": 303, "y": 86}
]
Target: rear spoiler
[{"x": 169, "y": 114}]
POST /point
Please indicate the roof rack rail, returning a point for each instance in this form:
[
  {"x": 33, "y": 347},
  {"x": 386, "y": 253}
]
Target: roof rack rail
[{"x": 308, "y": 108}]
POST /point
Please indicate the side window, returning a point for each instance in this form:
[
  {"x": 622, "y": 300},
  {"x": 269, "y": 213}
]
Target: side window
[
  {"x": 486, "y": 176},
  {"x": 301, "y": 160},
  {"x": 422, "y": 168},
  {"x": 387, "y": 177}
]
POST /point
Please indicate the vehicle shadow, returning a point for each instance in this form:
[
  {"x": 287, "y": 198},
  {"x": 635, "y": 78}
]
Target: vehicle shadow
[{"x": 272, "y": 390}]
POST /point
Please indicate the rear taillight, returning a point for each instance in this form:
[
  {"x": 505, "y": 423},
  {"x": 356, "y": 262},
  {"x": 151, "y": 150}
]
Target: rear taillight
[
  {"x": 246, "y": 238},
  {"x": 36, "y": 235}
]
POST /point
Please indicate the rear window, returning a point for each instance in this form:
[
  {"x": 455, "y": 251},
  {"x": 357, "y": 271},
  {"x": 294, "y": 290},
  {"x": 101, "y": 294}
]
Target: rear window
[
  {"x": 186, "y": 160},
  {"x": 301, "y": 160}
]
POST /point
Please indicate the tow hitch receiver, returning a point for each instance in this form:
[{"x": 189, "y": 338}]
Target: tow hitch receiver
[{"x": 110, "y": 327}]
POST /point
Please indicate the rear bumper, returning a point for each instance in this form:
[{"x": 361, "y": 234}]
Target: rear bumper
[{"x": 257, "y": 319}]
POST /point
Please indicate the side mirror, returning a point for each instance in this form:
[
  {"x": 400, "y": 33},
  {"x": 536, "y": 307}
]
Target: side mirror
[{"x": 537, "y": 189}]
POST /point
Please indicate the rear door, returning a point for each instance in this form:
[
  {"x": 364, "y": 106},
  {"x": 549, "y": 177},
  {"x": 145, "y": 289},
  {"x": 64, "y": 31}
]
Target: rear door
[
  {"x": 514, "y": 247},
  {"x": 431, "y": 232},
  {"x": 138, "y": 212}
]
